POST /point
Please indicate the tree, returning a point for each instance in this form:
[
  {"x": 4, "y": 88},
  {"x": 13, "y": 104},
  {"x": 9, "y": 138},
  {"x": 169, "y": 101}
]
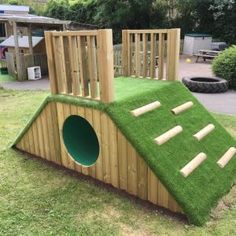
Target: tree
[
  {"x": 224, "y": 12},
  {"x": 59, "y": 9}
]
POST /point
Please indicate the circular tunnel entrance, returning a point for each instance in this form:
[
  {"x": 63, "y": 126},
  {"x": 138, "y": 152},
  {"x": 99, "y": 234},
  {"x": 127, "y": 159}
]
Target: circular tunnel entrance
[{"x": 80, "y": 140}]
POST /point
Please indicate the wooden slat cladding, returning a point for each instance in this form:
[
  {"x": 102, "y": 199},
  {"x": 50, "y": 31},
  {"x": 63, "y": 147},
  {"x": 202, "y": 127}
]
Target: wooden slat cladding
[
  {"x": 151, "y": 53},
  {"x": 118, "y": 162},
  {"x": 81, "y": 63},
  {"x": 42, "y": 138}
]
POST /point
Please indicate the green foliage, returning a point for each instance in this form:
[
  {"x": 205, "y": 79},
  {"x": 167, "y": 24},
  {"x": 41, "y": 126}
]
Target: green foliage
[
  {"x": 224, "y": 65},
  {"x": 224, "y": 12},
  {"x": 58, "y": 9}
]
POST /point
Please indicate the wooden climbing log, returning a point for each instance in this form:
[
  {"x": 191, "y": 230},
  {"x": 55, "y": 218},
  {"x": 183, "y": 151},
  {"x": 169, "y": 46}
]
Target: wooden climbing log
[
  {"x": 149, "y": 107},
  {"x": 203, "y": 132},
  {"x": 223, "y": 161},
  {"x": 192, "y": 165},
  {"x": 168, "y": 135},
  {"x": 177, "y": 110}
]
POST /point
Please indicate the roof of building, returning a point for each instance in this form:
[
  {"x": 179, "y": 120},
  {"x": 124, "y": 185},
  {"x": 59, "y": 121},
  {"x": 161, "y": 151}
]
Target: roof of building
[
  {"x": 23, "y": 41},
  {"x": 197, "y": 35},
  {"x": 14, "y": 8},
  {"x": 29, "y": 18}
]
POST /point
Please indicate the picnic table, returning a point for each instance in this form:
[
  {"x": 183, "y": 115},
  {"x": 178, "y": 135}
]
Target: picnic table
[{"x": 206, "y": 54}]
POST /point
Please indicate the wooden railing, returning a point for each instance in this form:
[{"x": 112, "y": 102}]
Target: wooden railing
[
  {"x": 145, "y": 53},
  {"x": 81, "y": 63}
]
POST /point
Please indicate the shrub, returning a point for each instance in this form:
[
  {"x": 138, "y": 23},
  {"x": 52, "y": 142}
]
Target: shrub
[{"x": 224, "y": 65}]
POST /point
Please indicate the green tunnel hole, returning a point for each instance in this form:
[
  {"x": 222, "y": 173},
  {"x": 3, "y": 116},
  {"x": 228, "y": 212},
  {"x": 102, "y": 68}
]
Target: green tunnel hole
[{"x": 80, "y": 140}]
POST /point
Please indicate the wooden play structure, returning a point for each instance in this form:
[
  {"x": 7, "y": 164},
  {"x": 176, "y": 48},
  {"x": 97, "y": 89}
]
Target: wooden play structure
[{"x": 139, "y": 143}]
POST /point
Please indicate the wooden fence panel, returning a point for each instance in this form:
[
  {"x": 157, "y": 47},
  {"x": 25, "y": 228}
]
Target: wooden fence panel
[
  {"x": 81, "y": 63},
  {"x": 146, "y": 53}
]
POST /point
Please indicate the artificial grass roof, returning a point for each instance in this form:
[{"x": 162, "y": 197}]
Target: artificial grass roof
[{"x": 198, "y": 193}]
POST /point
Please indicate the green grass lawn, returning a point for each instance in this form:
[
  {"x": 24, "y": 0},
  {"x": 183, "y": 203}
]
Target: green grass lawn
[
  {"x": 6, "y": 78},
  {"x": 39, "y": 199}
]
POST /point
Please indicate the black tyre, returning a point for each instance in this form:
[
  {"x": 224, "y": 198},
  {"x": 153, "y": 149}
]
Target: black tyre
[{"x": 206, "y": 84}]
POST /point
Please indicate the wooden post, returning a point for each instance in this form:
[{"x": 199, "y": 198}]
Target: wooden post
[
  {"x": 51, "y": 63},
  {"x": 106, "y": 65},
  {"x": 17, "y": 52},
  {"x": 30, "y": 39},
  {"x": 125, "y": 58},
  {"x": 173, "y": 47},
  {"x": 161, "y": 54}
]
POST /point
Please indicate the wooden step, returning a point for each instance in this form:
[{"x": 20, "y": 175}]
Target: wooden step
[
  {"x": 193, "y": 164},
  {"x": 224, "y": 160},
  {"x": 144, "y": 109},
  {"x": 179, "y": 109},
  {"x": 204, "y": 132},
  {"x": 168, "y": 135}
]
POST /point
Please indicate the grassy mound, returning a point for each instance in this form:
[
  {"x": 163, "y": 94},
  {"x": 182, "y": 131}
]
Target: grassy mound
[{"x": 196, "y": 194}]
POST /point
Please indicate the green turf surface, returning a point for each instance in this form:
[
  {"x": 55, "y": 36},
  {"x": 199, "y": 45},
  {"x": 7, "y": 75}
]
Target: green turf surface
[{"x": 198, "y": 193}]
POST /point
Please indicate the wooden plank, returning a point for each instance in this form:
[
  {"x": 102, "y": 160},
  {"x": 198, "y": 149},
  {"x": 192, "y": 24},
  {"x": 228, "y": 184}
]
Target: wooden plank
[
  {"x": 89, "y": 117},
  {"x": 152, "y": 56},
  {"x": 50, "y": 132},
  {"x": 56, "y": 134},
  {"x": 172, "y": 204},
  {"x": 35, "y": 138},
  {"x": 113, "y": 155},
  {"x": 51, "y": 63},
  {"x": 123, "y": 162},
  {"x": 129, "y": 53},
  {"x": 162, "y": 195},
  {"x": 132, "y": 170},
  {"x": 152, "y": 186},
  {"x": 132, "y": 54},
  {"x": 40, "y": 136},
  {"x": 73, "y": 111},
  {"x": 83, "y": 61},
  {"x": 75, "y": 33},
  {"x": 106, "y": 65},
  {"x": 61, "y": 118},
  {"x": 142, "y": 178},
  {"x": 61, "y": 53},
  {"x": 74, "y": 65},
  {"x": 137, "y": 55},
  {"x": 57, "y": 61},
  {"x": 67, "y": 113},
  {"x": 161, "y": 51},
  {"x": 43, "y": 117},
  {"x": 92, "y": 65},
  {"x": 147, "y": 31},
  {"x": 30, "y": 39},
  {"x": 67, "y": 62},
  {"x": 31, "y": 141},
  {"x": 26, "y": 137},
  {"x": 145, "y": 55},
  {"x": 105, "y": 149},
  {"x": 173, "y": 46},
  {"x": 97, "y": 127},
  {"x": 17, "y": 52},
  {"x": 125, "y": 52},
  {"x": 80, "y": 112}
]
